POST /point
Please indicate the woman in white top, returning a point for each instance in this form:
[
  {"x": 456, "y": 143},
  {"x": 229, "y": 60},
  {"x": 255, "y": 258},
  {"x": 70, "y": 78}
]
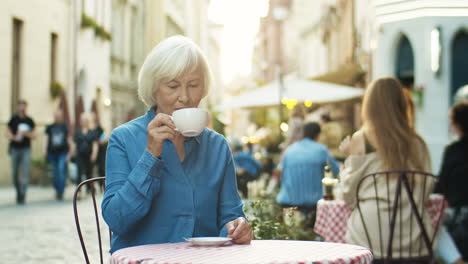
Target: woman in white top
[{"x": 386, "y": 141}]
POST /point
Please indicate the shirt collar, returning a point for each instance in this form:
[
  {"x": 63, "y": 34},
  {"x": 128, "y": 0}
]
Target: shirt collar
[
  {"x": 308, "y": 139},
  {"x": 198, "y": 138}
]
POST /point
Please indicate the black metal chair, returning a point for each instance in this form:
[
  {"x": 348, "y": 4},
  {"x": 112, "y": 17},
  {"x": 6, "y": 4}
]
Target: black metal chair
[
  {"x": 91, "y": 184},
  {"x": 400, "y": 200}
]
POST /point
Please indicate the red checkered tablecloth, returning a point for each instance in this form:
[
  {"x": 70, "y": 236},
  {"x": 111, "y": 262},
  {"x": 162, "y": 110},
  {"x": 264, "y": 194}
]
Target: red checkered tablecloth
[
  {"x": 259, "y": 251},
  {"x": 332, "y": 217}
]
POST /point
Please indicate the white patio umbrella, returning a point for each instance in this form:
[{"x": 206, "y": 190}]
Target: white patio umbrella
[{"x": 293, "y": 88}]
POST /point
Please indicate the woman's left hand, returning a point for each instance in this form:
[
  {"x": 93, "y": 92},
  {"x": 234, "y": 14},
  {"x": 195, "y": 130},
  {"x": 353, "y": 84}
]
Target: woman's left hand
[
  {"x": 240, "y": 231},
  {"x": 345, "y": 146}
]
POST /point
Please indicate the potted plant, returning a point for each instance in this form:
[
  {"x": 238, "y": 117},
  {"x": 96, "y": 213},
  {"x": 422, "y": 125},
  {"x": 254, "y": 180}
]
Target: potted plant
[{"x": 56, "y": 89}]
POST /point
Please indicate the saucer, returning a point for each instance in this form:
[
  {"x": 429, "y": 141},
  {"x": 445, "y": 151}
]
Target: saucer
[{"x": 208, "y": 241}]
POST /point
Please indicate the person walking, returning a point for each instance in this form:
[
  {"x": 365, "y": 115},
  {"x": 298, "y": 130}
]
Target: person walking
[
  {"x": 331, "y": 135},
  {"x": 20, "y": 132},
  {"x": 86, "y": 148},
  {"x": 295, "y": 125},
  {"x": 56, "y": 148},
  {"x": 102, "y": 140}
]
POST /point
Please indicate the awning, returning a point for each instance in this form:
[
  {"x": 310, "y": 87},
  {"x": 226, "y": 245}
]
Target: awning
[
  {"x": 349, "y": 74},
  {"x": 293, "y": 88}
]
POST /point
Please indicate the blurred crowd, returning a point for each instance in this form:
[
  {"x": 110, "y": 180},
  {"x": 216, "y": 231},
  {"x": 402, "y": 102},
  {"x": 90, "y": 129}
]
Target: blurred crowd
[{"x": 77, "y": 155}]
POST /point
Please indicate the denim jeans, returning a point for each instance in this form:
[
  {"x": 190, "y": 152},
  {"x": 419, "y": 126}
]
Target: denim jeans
[
  {"x": 59, "y": 170},
  {"x": 445, "y": 248},
  {"x": 20, "y": 158},
  {"x": 85, "y": 167}
]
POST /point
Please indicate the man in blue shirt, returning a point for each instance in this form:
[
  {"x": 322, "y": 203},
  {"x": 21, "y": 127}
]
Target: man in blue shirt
[{"x": 302, "y": 170}]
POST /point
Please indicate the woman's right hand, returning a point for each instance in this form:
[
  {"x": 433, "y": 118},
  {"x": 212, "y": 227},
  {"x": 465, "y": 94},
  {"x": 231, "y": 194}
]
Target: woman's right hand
[
  {"x": 353, "y": 145},
  {"x": 345, "y": 146},
  {"x": 160, "y": 128}
]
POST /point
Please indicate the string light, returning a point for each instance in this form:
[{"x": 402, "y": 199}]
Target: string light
[{"x": 284, "y": 127}]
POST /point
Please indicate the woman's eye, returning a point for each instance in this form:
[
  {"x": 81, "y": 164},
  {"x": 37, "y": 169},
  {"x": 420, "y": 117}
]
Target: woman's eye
[{"x": 172, "y": 86}]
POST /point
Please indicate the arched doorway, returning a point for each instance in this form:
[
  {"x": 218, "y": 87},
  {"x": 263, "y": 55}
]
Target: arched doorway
[
  {"x": 405, "y": 62},
  {"x": 459, "y": 62}
]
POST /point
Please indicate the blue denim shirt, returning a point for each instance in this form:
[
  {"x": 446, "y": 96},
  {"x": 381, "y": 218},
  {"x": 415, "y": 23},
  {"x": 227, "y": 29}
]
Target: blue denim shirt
[
  {"x": 150, "y": 200},
  {"x": 301, "y": 180}
]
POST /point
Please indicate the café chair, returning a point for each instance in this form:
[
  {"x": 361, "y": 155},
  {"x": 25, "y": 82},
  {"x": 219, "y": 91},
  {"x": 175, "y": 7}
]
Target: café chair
[
  {"x": 390, "y": 204},
  {"x": 91, "y": 186}
]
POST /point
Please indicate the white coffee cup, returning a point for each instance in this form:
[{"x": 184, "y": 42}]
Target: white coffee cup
[{"x": 190, "y": 121}]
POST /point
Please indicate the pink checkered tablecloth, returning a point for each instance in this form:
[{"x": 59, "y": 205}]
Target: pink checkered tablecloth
[
  {"x": 259, "y": 251},
  {"x": 332, "y": 217}
]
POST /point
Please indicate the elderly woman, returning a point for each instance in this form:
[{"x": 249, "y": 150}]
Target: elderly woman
[{"x": 161, "y": 186}]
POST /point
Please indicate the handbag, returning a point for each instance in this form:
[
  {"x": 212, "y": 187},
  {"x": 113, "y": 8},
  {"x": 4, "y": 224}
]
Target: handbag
[{"x": 457, "y": 225}]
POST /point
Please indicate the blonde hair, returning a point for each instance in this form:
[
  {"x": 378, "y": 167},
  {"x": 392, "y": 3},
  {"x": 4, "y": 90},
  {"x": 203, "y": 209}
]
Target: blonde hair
[
  {"x": 168, "y": 60},
  {"x": 385, "y": 116},
  {"x": 298, "y": 111},
  {"x": 86, "y": 117}
]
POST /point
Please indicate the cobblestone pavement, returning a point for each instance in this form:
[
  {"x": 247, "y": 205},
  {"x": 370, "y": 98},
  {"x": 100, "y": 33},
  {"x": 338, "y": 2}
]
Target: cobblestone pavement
[{"x": 43, "y": 230}]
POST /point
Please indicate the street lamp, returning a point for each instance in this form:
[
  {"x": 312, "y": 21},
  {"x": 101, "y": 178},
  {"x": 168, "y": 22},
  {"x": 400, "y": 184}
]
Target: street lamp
[
  {"x": 435, "y": 50},
  {"x": 280, "y": 13}
]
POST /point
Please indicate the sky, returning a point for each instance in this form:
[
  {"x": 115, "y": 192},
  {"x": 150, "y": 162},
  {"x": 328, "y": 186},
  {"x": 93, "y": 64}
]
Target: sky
[{"x": 241, "y": 22}]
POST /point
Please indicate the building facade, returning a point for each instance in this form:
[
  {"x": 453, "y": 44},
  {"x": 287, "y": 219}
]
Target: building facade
[
  {"x": 318, "y": 40},
  {"x": 92, "y": 67},
  {"x": 142, "y": 25},
  {"x": 128, "y": 49},
  {"x": 425, "y": 44},
  {"x": 35, "y": 53}
]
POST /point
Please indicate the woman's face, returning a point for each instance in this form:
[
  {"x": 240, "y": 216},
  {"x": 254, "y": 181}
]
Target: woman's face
[
  {"x": 454, "y": 127},
  {"x": 185, "y": 91},
  {"x": 84, "y": 121}
]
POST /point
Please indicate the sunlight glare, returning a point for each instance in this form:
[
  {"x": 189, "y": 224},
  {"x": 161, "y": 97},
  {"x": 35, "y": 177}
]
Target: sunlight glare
[{"x": 241, "y": 22}]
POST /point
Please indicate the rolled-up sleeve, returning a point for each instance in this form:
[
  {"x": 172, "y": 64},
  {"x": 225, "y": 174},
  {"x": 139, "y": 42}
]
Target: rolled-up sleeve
[
  {"x": 129, "y": 191},
  {"x": 230, "y": 204}
]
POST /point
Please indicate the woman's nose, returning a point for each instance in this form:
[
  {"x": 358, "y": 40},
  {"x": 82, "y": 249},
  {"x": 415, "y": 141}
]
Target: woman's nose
[{"x": 183, "y": 96}]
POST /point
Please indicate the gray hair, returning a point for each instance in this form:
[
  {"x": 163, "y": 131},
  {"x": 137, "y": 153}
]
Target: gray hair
[{"x": 168, "y": 60}]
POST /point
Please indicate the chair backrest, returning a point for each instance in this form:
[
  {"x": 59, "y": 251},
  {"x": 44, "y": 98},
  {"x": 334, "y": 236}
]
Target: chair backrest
[
  {"x": 91, "y": 184},
  {"x": 393, "y": 211}
]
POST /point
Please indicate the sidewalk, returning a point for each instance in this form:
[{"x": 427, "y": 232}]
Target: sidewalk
[{"x": 43, "y": 230}]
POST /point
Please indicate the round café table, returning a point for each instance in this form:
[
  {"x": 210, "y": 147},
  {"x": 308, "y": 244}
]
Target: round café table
[
  {"x": 332, "y": 216},
  {"x": 259, "y": 251}
]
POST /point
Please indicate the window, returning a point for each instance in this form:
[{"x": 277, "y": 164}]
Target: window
[
  {"x": 53, "y": 56},
  {"x": 16, "y": 63}
]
